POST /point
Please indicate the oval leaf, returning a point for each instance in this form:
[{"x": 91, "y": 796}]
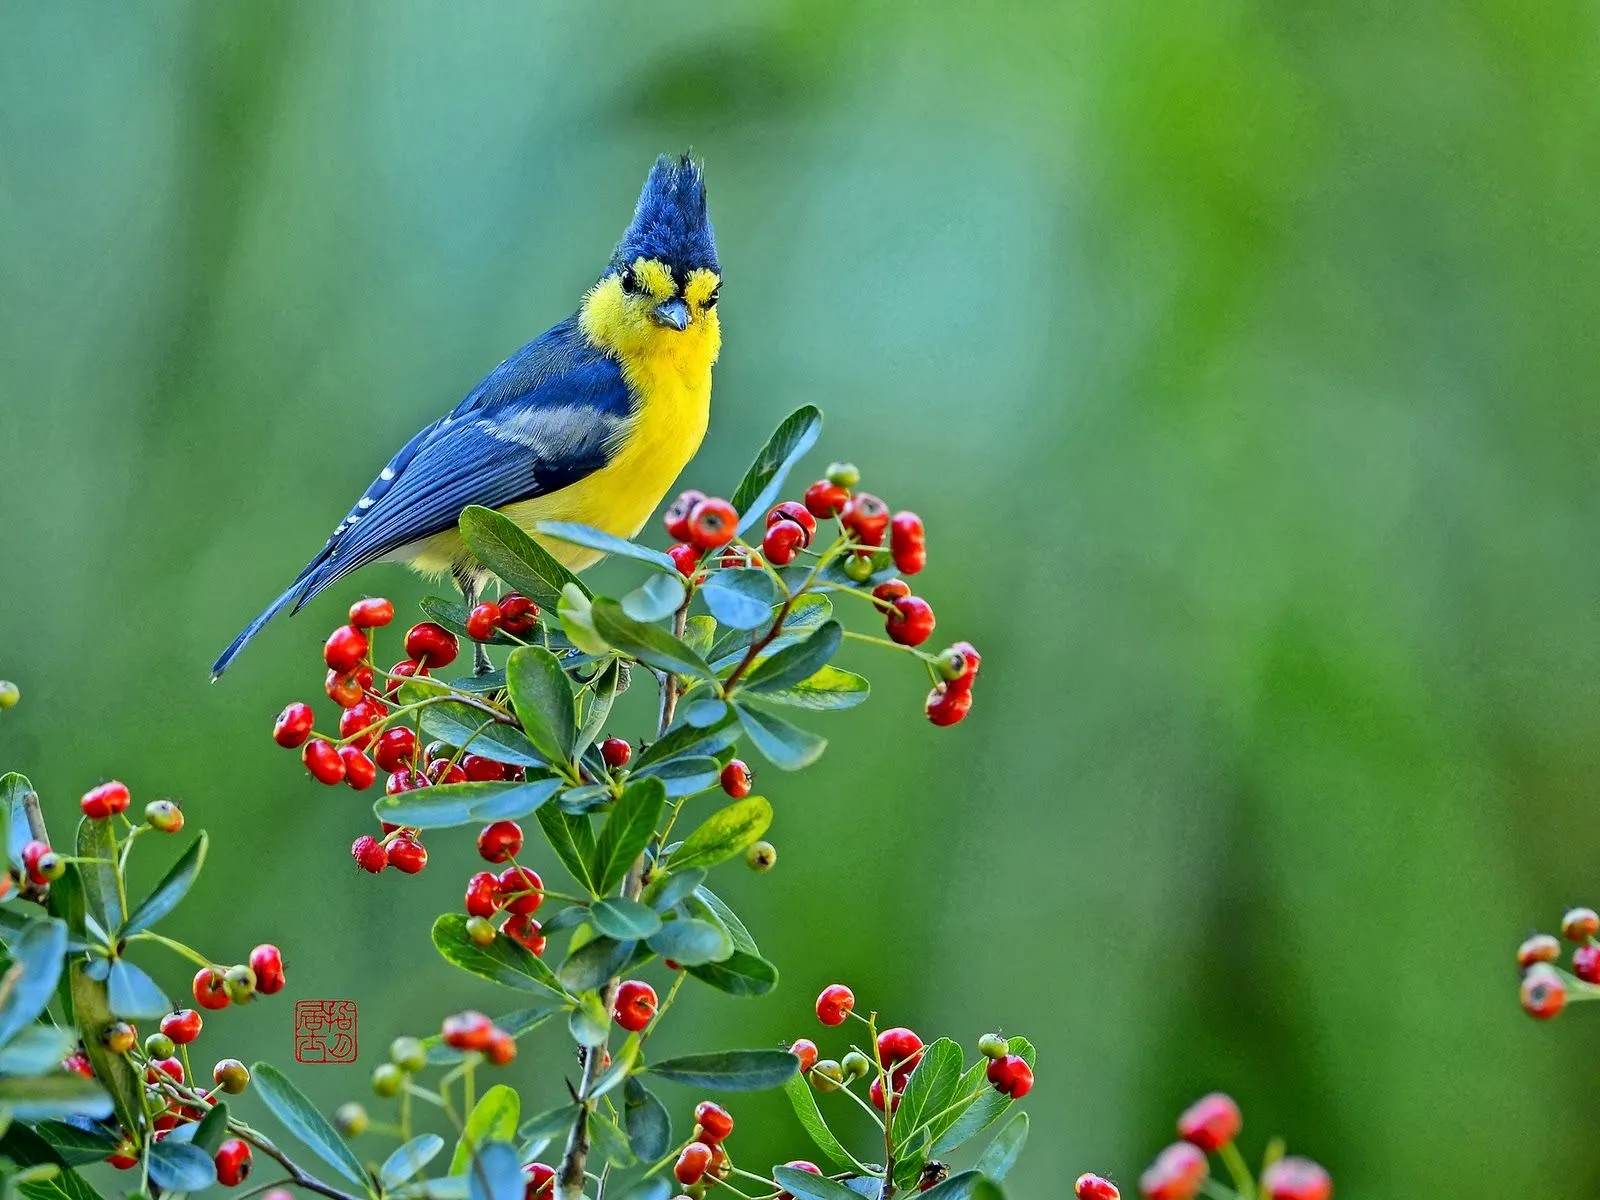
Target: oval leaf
[
  {"x": 658, "y": 597},
  {"x": 515, "y": 557},
  {"x": 93, "y": 1015},
  {"x": 542, "y": 697},
  {"x": 179, "y": 1167},
  {"x": 593, "y": 963},
  {"x": 805, "y": 1108},
  {"x": 1001, "y": 1154},
  {"x": 63, "y": 1094},
  {"x": 97, "y": 849},
  {"x": 627, "y": 832},
  {"x": 727, "y": 832},
  {"x": 647, "y": 643},
  {"x": 132, "y": 993},
  {"x": 38, "y": 955},
  {"x": 461, "y": 725},
  {"x": 450, "y": 804},
  {"x": 803, "y": 1185},
  {"x": 740, "y": 974},
  {"x": 666, "y": 890},
  {"x": 955, "y": 1128},
  {"x": 495, "y": 1173},
  {"x": 409, "y": 1158},
  {"x": 301, "y": 1118},
  {"x": 730, "y": 1070},
  {"x": 692, "y": 943},
  {"x": 786, "y": 746},
  {"x": 174, "y": 886},
  {"x": 595, "y": 539},
  {"x": 756, "y": 492},
  {"x": 828, "y": 690},
  {"x": 646, "y": 1121},
  {"x": 493, "y": 1119},
  {"x": 740, "y": 598},
  {"x": 686, "y": 776},
  {"x": 624, "y": 919},
  {"x": 501, "y": 961}
]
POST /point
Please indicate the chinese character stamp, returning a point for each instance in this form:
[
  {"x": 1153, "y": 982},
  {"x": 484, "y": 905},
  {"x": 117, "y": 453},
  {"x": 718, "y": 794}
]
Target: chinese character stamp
[{"x": 325, "y": 1031}]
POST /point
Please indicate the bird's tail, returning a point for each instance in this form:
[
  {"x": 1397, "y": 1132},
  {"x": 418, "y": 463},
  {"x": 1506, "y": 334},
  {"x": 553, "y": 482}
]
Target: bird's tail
[{"x": 306, "y": 585}]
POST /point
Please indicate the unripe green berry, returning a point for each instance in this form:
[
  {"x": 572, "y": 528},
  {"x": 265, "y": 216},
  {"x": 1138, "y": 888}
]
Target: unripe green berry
[
  {"x": 409, "y": 1054},
  {"x": 858, "y": 568},
  {"x": 240, "y": 982},
  {"x": 387, "y": 1079},
  {"x": 856, "y": 1065},
  {"x": 480, "y": 930},
  {"x": 762, "y": 856},
  {"x": 138, "y": 1195},
  {"x": 827, "y": 1076},
  {"x": 992, "y": 1045},
  {"x": 844, "y": 474},
  {"x": 10, "y": 693},
  {"x": 350, "y": 1119},
  {"x": 155, "y": 1101},
  {"x": 231, "y": 1075},
  {"x": 159, "y": 1045},
  {"x": 163, "y": 815}
]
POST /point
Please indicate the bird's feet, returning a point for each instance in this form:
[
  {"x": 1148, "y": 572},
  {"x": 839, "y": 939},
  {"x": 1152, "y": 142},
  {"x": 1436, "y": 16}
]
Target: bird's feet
[{"x": 480, "y": 659}]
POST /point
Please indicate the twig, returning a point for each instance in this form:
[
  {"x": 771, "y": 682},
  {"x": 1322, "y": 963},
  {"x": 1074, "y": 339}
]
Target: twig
[{"x": 36, "y": 827}]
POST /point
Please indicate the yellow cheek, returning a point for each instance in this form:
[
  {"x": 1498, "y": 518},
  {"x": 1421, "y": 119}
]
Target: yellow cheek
[
  {"x": 656, "y": 278},
  {"x": 702, "y": 283}
]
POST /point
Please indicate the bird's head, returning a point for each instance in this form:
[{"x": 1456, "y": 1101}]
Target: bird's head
[{"x": 659, "y": 293}]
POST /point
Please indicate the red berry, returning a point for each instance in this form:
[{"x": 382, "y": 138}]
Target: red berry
[
  {"x": 323, "y": 761},
  {"x": 692, "y": 1163},
  {"x": 233, "y": 1162},
  {"x": 518, "y": 614},
  {"x": 909, "y": 620},
  {"x": 369, "y": 853},
  {"x": 793, "y": 510},
  {"x": 210, "y": 989},
  {"x": 521, "y": 890},
  {"x": 634, "y": 1006},
  {"x": 480, "y": 769},
  {"x": 520, "y": 927},
  {"x": 1580, "y": 924},
  {"x": 78, "y": 1064},
  {"x": 483, "y": 896},
  {"x": 404, "y": 779},
  {"x": 615, "y": 752},
  {"x": 947, "y": 706},
  {"x": 361, "y": 721},
  {"x": 541, "y": 1183},
  {"x": 182, "y": 1025},
  {"x": 806, "y": 1051},
  {"x": 799, "y": 1164},
  {"x": 715, "y": 1121},
  {"x": 685, "y": 557},
  {"x": 875, "y": 1094},
  {"x": 469, "y": 1030},
  {"x": 483, "y": 621},
  {"x": 676, "y": 518},
  {"x": 891, "y": 589},
  {"x": 1544, "y": 993},
  {"x": 408, "y": 855},
  {"x": 1094, "y": 1187},
  {"x": 499, "y": 841},
  {"x": 712, "y": 523},
  {"x": 1296, "y": 1179},
  {"x": 395, "y": 747},
  {"x": 897, "y": 1045},
  {"x": 1211, "y": 1122},
  {"x": 267, "y": 962},
  {"x": 736, "y": 779},
  {"x": 908, "y": 543},
  {"x": 431, "y": 645},
  {"x": 1011, "y": 1076},
  {"x": 359, "y": 770},
  {"x": 782, "y": 543},
  {"x": 1176, "y": 1174},
  {"x": 444, "y": 771},
  {"x": 371, "y": 613},
  {"x": 104, "y": 801},
  {"x": 834, "y": 1004},
  {"x": 866, "y": 517},
  {"x": 960, "y": 664},
  {"x": 1586, "y": 963},
  {"x": 293, "y": 725},
  {"x": 826, "y": 499},
  {"x": 343, "y": 688},
  {"x": 406, "y": 668},
  {"x": 345, "y": 648}
]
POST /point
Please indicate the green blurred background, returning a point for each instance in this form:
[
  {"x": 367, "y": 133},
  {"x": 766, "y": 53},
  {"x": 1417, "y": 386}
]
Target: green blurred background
[{"x": 1239, "y": 356}]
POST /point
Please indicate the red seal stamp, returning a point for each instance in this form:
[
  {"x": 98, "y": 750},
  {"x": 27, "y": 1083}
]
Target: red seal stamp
[{"x": 325, "y": 1031}]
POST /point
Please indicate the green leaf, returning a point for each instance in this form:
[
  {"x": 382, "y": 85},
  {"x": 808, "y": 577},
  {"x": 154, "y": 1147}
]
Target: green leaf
[
  {"x": 811, "y": 1119},
  {"x": 539, "y": 1131},
  {"x": 95, "y": 842},
  {"x": 646, "y": 1120},
  {"x": 610, "y": 1143},
  {"x": 501, "y": 961},
  {"x": 730, "y": 1070},
  {"x": 602, "y": 694},
  {"x": 688, "y": 741},
  {"x": 593, "y": 963},
  {"x": 829, "y": 690},
  {"x": 62, "y": 1094},
  {"x": 515, "y": 557},
  {"x": 692, "y": 943},
  {"x": 174, "y": 886},
  {"x": 301, "y": 1118},
  {"x": 656, "y": 599},
  {"x": 957, "y": 1128},
  {"x": 620, "y": 1069},
  {"x": 928, "y": 1092},
  {"x": 730, "y": 921},
  {"x": 727, "y": 832},
  {"x": 542, "y": 697},
  {"x": 14, "y": 792},
  {"x": 969, "y": 1185},
  {"x": 452, "y": 614},
  {"x": 179, "y": 1167},
  {"x": 627, "y": 832},
  {"x": 666, "y": 890},
  {"x": 624, "y": 919},
  {"x": 595, "y": 539},
  {"x": 1001, "y": 1154},
  {"x": 803, "y": 1185},
  {"x": 37, "y": 955},
  {"x": 740, "y": 974},
  {"x": 68, "y": 903},
  {"x": 493, "y": 1119},
  {"x": 796, "y": 663},
  {"x": 93, "y": 1013},
  {"x": 450, "y": 804},
  {"x": 806, "y": 614},
  {"x": 589, "y": 1023},
  {"x": 572, "y": 838},
  {"x": 76, "y": 1143},
  {"x": 461, "y": 725},
  {"x": 761, "y": 483},
  {"x": 411, "y": 1157},
  {"x": 27, "y": 1149},
  {"x": 647, "y": 643},
  {"x": 786, "y": 746},
  {"x": 698, "y": 633},
  {"x": 740, "y": 598},
  {"x": 496, "y": 1173},
  {"x": 577, "y": 620},
  {"x": 591, "y": 797},
  {"x": 685, "y": 776},
  {"x": 135, "y": 994},
  {"x": 705, "y": 714},
  {"x": 210, "y": 1130}
]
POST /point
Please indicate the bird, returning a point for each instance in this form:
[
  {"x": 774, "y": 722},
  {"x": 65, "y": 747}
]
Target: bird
[{"x": 590, "y": 422}]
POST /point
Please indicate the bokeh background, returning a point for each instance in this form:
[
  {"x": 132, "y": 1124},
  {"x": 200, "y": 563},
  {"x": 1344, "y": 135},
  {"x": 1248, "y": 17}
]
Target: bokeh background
[{"x": 1239, "y": 355}]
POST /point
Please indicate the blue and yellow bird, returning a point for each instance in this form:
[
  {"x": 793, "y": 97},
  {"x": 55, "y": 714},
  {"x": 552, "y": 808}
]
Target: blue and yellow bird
[{"x": 590, "y": 422}]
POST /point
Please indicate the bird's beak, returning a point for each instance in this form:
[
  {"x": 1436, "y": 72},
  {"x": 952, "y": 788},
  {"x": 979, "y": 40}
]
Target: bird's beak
[{"x": 673, "y": 313}]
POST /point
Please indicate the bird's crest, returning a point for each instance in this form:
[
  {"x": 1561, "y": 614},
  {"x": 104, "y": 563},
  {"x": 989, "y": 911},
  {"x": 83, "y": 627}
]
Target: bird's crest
[{"x": 671, "y": 224}]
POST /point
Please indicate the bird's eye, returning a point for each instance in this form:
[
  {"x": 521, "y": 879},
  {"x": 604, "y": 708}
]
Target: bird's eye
[
  {"x": 711, "y": 300},
  {"x": 630, "y": 282}
]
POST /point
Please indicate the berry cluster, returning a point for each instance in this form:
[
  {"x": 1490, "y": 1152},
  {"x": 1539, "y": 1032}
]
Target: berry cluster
[
  {"x": 1182, "y": 1170},
  {"x": 42, "y": 866},
  {"x": 1546, "y": 988}
]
